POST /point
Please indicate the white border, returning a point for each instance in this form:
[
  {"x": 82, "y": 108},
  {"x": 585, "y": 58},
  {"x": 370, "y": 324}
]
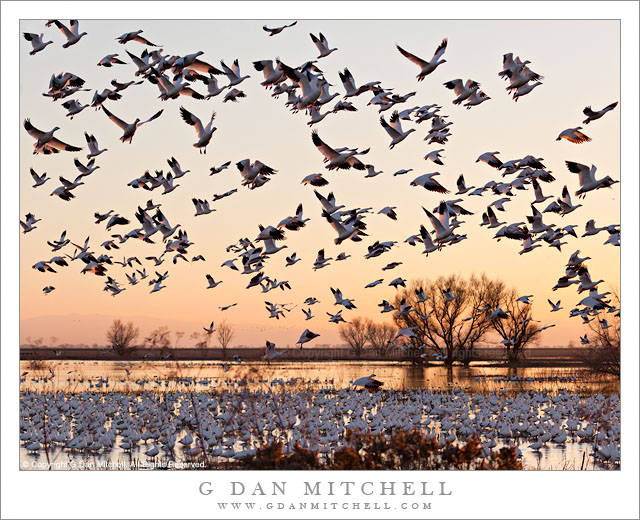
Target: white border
[{"x": 166, "y": 495}]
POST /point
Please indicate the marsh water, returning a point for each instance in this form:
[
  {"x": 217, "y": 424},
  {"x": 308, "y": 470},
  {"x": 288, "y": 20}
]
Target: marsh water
[
  {"x": 75, "y": 377},
  {"x": 78, "y": 376}
]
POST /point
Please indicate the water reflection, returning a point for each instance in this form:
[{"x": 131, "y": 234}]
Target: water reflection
[{"x": 78, "y": 376}]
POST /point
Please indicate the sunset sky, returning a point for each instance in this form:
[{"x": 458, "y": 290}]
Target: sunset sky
[{"x": 261, "y": 127}]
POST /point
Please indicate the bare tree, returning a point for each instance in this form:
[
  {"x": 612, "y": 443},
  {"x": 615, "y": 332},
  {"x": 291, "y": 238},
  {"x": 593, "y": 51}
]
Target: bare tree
[
  {"x": 224, "y": 336},
  {"x": 603, "y": 353},
  {"x": 121, "y": 336},
  {"x": 53, "y": 341},
  {"x": 356, "y": 334},
  {"x": 452, "y": 318},
  {"x": 381, "y": 336},
  {"x": 179, "y": 335},
  {"x": 518, "y": 329}
]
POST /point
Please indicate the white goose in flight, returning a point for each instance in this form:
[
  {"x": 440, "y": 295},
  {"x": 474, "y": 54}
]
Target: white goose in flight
[
  {"x": 441, "y": 224},
  {"x": 233, "y": 73},
  {"x": 320, "y": 262},
  {"x": 537, "y": 190},
  {"x": 110, "y": 60},
  {"x": 462, "y": 89},
  {"x": 204, "y": 132},
  {"x": 478, "y": 97},
  {"x": 172, "y": 89},
  {"x": 429, "y": 246},
  {"x": 45, "y": 142},
  {"x": 340, "y": 300},
  {"x": 322, "y": 45},
  {"x": 134, "y": 36},
  {"x": 233, "y": 95},
  {"x": 342, "y": 158},
  {"x": 271, "y": 352},
  {"x": 129, "y": 129},
  {"x": 524, "y": 90},
  {"x": 590, "y": 230},
  {"x": 315, "y": 179},
  {"x": 202, "y": 207},
  {"x": 491, "y": 159},
  {"x": 38, "y": 179},
  {"x": 37, "y": 42},
  {"x": 306, "y": 336},
  {"x": 337, "y": 317},
  {"x": 212, "y": 283},
  {"x": 291, "y": 260},
  {"x": 92, "y": 143},
  {"x": 210, "y": 329},
  {"x": 435, "y": 157},
  {"x": 394, "y": 129},
  {"x": 574, "y": 135},
  {"x": 587, "y": 178},
  {"x": 593, "y": 115},
  {"x": 29, "y": 221},
  {"x": 87, "y": 169},
  {"x": 554, "y": 306},
  {"x": 429, "y": 183},
  {"x": 272, "y": 75},
  {"x": 350, "y": 228},
  {"x": 565, "y": 204},
  {"x": 70, "y": 33},
  {"x": 273, "y": 32},
  {"x": 328, "y": 203},
  {"x": 349, "y": 84},
  {"x": 426, "y": 67}
]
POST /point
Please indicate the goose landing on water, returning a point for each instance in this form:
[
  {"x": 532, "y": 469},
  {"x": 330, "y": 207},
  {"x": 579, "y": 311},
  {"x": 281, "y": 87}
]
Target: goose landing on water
[{"x": 367, "y": 382}]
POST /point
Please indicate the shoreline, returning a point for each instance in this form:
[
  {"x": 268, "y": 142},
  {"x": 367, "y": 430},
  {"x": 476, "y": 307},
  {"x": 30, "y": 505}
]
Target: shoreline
[{"x": 540, "y": 357}]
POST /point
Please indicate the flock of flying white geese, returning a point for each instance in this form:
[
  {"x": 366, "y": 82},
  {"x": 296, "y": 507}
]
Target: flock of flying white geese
[{"x": 306, "y": 90}]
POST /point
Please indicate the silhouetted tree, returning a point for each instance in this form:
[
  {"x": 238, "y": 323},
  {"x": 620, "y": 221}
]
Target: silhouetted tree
[
  {"x": 381, "y": 336},
  {"x": 603, "y": 352},
  {"x": 518, "y": 329},
  {"x": 449, "y": 329},
  {"x": 121, "y": 336},
  {"x": 356, "y": 334},
  {"x": 225, "y": 335}
]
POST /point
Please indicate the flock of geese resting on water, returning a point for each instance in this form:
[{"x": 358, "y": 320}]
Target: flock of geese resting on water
[{"x": 305, "y": 90}]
